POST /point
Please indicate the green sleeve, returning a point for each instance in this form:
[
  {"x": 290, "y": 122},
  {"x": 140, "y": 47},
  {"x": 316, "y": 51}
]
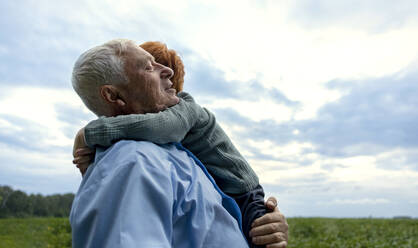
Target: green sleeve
[{"x": 170, "y": 125}]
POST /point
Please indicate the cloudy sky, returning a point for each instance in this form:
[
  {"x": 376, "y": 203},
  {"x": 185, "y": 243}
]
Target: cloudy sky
[{"x": 320, "y": 96}]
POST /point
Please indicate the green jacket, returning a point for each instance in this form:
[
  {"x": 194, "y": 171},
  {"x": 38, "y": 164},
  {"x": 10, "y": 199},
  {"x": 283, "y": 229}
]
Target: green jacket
[{"x": 186, "y": 122}]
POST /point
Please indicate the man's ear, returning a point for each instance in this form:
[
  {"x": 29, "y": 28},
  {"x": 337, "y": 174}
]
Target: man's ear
[{"x": 111, "y": 94}]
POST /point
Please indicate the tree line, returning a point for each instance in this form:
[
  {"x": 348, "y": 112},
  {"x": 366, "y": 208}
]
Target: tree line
[{"x": 16, "y": 203}]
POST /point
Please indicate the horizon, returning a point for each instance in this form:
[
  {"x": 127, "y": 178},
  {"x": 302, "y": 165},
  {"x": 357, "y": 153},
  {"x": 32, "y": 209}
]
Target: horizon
[{"x": 301, "y": 216}]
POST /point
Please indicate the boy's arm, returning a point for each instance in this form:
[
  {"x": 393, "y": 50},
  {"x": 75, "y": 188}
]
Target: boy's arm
[
  {"x": 170, "y": 125},
  {"x": 262, "y": 223},
  {"x": 252, "y": 207}
]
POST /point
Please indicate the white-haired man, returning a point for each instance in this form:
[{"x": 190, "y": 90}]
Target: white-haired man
[{"x": 138, "y": 194}]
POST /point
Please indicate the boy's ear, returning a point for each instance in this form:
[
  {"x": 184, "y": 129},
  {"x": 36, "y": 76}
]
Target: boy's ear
[{"x": 111, "y": 94}]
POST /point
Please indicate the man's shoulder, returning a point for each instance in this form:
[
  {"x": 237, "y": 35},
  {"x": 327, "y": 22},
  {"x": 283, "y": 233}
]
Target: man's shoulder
[{"x": 128, "y": 160}]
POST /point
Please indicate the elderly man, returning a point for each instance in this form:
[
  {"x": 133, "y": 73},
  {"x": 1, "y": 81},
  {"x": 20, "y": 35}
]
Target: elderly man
[{"x": 133, "y": 183}]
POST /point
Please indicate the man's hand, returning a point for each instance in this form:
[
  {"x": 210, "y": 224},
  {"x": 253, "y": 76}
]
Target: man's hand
[
  {"x": 83, "y": 155},
  {"x": 271, "y": 229}
]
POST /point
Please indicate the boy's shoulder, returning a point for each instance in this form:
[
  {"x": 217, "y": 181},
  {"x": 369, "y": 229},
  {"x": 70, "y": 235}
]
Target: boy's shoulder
[{"x": 186, "y": 96}]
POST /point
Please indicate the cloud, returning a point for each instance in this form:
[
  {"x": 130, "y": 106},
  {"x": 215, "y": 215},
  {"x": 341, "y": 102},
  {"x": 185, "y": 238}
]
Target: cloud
[
  {"x": 277, "y": 133},
  {"x": 22, "y": 133},
  {"x": 73, "y": 118},
  {"x": 363, "y": 201},
  {"x": 33, "y": 155},
  {"x": 27, "y": 112},
  {"x": 339, "y": 199},
  {"x": 204, "y": 79},
  {"x": 28, "y": 172},
  {"x": 374, "y": 115},
  {"x": 35, "y": 56},
  {"x": 398, "y": 159},
  {"x": 42, "y": 39},
  {"x": 374, "y": 15},
  {"x": 332, "y": 166}
]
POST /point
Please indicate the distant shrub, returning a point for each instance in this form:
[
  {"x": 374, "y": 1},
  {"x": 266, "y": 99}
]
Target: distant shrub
[
  {"x": 402, "y": 217},
  {"x": 16, "y": 203}
]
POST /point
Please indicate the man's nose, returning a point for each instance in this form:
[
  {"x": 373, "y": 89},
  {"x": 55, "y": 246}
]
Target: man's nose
[{"x": 166, "y": 72}]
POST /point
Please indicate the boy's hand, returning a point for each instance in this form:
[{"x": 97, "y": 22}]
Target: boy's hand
[
  {"x": 271, "y": 229},
  {"x": 83, "y": 155}
]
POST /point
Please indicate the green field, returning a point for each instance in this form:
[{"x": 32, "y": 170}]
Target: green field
[
  {"x": 304, "y": 232},
  {"x": 35, "y": 232},
  {"x": 355, "y": 233}
]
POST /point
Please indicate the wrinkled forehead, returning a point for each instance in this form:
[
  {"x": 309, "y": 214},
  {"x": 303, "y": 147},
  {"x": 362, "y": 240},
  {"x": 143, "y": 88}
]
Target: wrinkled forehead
[{"x": 137, "y": 54}]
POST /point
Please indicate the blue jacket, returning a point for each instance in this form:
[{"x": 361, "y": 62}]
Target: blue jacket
[{"x": 138, "y": 194}]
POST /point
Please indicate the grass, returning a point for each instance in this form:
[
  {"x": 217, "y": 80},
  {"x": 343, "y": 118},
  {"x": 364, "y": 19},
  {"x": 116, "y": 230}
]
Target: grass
[
  {"x": 352, "y": 233},
  {"x": 304, "y": 232},
  {"x": 35, "y": 232}
]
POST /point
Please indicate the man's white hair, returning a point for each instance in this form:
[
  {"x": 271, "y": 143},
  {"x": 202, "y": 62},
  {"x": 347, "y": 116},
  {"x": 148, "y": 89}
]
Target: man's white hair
[{"x": 99, "y": 66}]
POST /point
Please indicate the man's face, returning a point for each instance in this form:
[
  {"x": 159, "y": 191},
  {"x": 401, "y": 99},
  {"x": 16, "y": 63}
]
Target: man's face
[{"x": 149, "y": 87}]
